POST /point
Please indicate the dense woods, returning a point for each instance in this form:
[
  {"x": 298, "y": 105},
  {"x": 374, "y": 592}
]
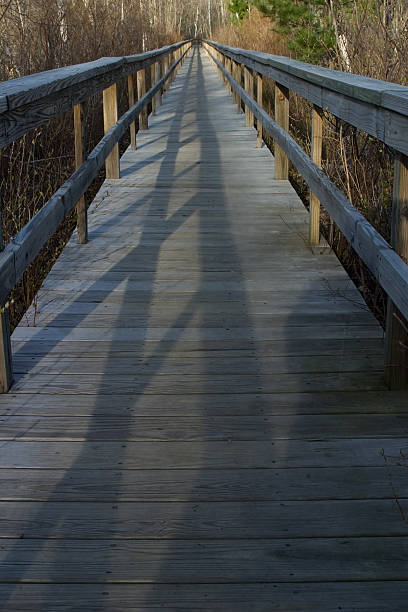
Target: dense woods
[{"x": 367, "y": 37}]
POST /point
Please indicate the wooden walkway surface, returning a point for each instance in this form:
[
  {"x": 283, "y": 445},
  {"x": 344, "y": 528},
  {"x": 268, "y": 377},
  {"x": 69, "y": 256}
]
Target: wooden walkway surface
[{"x": 199, "y": 408}]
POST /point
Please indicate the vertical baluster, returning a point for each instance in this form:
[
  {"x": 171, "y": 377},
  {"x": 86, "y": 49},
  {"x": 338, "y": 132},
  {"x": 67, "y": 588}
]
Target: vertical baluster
[
  {"x": 282, "y": 119},
  {"x": 396, "y": 355},
  {"x": 80, "y": 154},
  {"x": 316, "y": 154},
  {"x": 110, "y": 117}
]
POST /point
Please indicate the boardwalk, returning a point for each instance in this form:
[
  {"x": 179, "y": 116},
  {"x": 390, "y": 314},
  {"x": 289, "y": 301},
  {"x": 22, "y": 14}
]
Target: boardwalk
[{"x": 199, "y": 408}]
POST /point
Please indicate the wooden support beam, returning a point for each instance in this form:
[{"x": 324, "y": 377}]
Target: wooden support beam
[
  {"x": 110, "y": 117},
  {"x": 6, "y": 361},
  {"x": 80, "y": 155},
  {"x": 316, "y": 155},
  {"x": 259, "y": 94},
  {"x": 396, "y": 355},
  {"x": 282, "y": 119},
  {"x": 131, "y": 96},
  {"x": 141, "y": 90}
]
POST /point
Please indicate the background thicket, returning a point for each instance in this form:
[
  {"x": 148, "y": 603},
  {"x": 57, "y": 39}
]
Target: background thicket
[{"x": 367, "y": 37}]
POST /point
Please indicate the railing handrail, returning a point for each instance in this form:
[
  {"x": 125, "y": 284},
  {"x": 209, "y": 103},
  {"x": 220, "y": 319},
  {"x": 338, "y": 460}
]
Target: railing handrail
[
  {"x": 378, "y": 108},
  {"x": 23, "y": 248},
  {"x": 386, "y": 262},
  {"x": 30, "y": 101}
]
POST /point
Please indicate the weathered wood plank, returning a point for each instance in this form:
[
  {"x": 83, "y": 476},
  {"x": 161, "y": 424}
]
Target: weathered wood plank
[
  {"x": 201, "y": 428},
  {"x": 234, "y": 404},
  {"x": 204, "y": 520},
  {"x": 200, "y": 455},
  {"x": 389, "y": 596},
  {"x": 204, "y": 485},
  {"x": 202, "y": 561}
]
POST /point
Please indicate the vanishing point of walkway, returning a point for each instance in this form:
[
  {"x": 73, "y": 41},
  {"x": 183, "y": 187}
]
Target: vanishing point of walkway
[{"x": 198, "y": 412}]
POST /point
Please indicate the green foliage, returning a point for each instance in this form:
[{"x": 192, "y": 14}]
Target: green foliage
[
  {"x": 239, "y": 10},
  {"x": 305, "y": 24}
]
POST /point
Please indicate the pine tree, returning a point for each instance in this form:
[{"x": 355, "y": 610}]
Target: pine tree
[
  {"x": 239, "y": 10},
  {"x": 305, "y": 24}
]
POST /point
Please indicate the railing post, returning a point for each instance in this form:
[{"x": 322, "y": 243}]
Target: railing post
[
  {"x": 249, "y": 88},
  {"x": 141, "y": 90},
  {"x": 166, "y": 69},
  {"x": 259, "y": 99},
  {"x": 316, "y": 155},
  {"x": 131, "y": 96},
  {"x": 157, "y": 77},
  {"x": 152, "y": 83},
  {"x": 6, "y": 361},
  {"x": 229, "y": 69},
  {"x": 282, "y": 119},
  {"x": 110, "y": 117},
  {"x": 80, "y": 154},
  {"x": 238, "y": 78},
  {"x": 396, "y": 353}
]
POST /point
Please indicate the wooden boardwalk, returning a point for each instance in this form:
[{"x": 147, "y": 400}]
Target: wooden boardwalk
[{"x": 199, "y": 407}]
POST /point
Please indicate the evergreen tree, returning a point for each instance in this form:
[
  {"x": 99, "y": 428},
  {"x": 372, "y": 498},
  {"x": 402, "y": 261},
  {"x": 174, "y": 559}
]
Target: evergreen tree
[
  {"x": 239, "y": 10},
  {"x": 306, "y": 25}
]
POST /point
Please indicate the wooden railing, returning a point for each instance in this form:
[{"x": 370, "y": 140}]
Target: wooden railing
[
  {"x": 375, "y": 107},
  {"x": 29, "y": 102}
]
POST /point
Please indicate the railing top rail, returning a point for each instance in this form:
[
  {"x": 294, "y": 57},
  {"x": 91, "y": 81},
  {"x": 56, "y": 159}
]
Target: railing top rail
[
  {"x": 390, "y": 96},
  {"x": 28, "y": 102},
  {"x": 23, "y": 90}
]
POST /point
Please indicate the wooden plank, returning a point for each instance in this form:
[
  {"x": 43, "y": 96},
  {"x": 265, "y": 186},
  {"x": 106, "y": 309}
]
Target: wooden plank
[
  {"x": 377, "y": 596},
  {"x": 204, "y": 520},
  {"x": 201, "y": 428},
  {"x": 204, "y": 561},
  {"x": 200, "y": 455},
  {"x": 233, "y": 404},
  {"x": 197, "y": 365},
  {"x": 228, "y": 383},
  {"x": 207, "y": 485}
]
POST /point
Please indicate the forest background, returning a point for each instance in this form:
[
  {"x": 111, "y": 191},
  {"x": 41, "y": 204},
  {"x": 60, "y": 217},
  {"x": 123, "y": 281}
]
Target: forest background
[{"x": 368, "y": 37}]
